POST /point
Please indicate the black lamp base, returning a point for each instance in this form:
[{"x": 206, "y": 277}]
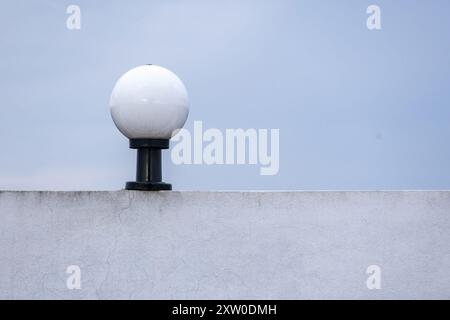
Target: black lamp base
[
  {"x": 148, "y": 186},
  {"x": 148, "y": 166}
]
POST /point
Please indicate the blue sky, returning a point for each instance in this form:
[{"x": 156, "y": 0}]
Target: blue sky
[{"x": 356, "y": 109}]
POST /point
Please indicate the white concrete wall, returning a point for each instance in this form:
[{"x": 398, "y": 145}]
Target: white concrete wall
[{"x": 256, "y": 245}]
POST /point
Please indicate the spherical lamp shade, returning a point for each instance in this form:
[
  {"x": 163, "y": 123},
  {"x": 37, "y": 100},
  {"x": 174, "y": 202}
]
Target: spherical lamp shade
[
  {"x": 149, "y": 102},
  {"x": 148, "y": 105}
]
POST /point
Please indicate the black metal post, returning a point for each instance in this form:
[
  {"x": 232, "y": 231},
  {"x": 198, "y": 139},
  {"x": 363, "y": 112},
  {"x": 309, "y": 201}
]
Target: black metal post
[{"x": 148, "y": 165}]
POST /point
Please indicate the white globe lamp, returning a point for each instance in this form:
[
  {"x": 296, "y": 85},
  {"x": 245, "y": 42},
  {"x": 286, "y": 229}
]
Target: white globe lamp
[{"x": 148, "y": 105}]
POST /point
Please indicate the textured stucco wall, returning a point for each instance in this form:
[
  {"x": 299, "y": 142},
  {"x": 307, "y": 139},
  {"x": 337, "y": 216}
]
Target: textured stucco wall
[{"x": 255, "y": 245}]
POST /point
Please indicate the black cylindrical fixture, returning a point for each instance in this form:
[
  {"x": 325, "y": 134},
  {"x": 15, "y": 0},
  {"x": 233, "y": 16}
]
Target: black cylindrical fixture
[{"x": 148, "y": 165}]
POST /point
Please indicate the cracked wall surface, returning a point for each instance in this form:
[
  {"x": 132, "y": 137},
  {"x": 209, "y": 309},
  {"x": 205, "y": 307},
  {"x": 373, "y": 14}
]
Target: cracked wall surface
[{"x": 224, "y": 245}]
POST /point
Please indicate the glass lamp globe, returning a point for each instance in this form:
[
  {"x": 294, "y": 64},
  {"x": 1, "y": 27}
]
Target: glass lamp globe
[
  {"x": 148, "y": 105},
  {"x": 149, "y": 102}
]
